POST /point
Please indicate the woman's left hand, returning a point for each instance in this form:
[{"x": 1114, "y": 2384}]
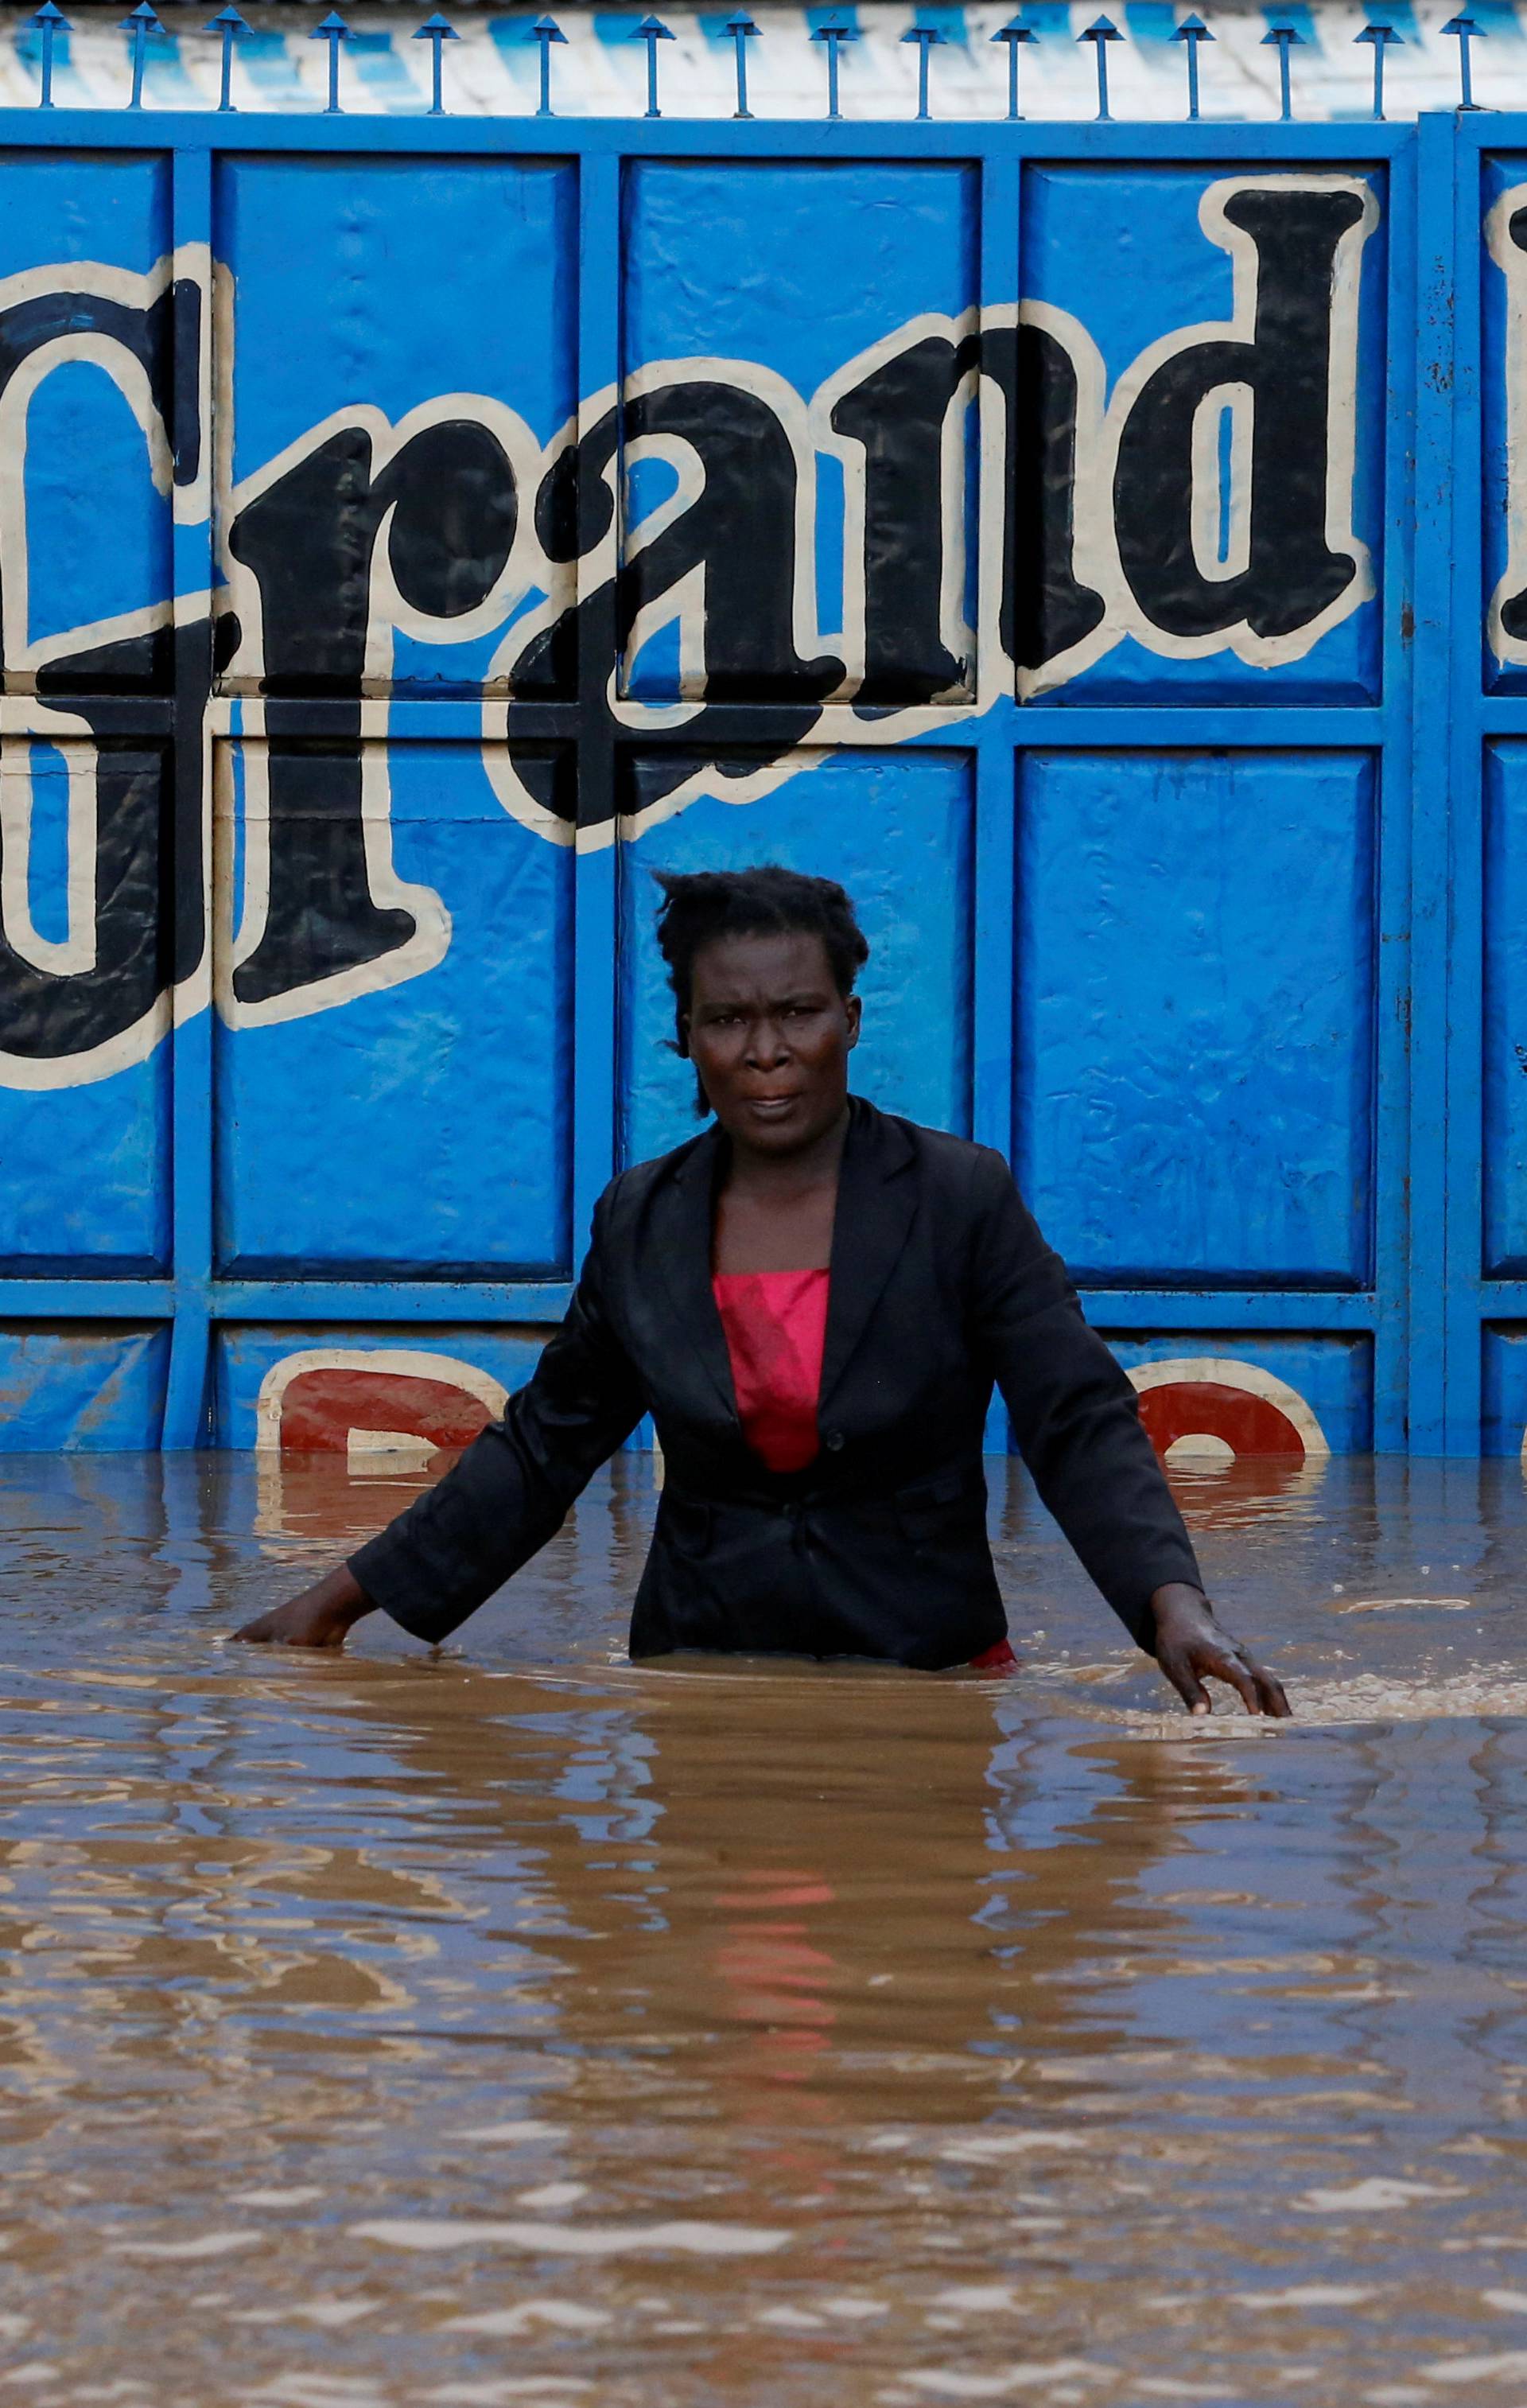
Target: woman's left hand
[{"x": 1191, "y": 1647}]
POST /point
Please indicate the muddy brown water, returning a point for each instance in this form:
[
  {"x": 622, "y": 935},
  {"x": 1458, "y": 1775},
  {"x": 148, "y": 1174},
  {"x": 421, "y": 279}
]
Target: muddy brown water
[{"x": 519, "y": 2026}]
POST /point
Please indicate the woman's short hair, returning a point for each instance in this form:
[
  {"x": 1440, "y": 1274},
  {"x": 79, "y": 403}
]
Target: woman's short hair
[{"x": 702, "y": 905}]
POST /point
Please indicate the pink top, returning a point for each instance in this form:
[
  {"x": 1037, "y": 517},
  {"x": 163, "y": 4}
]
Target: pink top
[{"x": 776, "y": 1325}]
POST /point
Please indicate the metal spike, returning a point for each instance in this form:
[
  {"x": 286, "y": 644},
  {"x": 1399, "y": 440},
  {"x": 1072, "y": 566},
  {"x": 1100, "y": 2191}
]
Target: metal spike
[
  {"x": 1193, "y": 31},
  {"x": 140, "y": 22},
  {"x": 835, "y": 34},
  {"x": 925, "y": 37},
  {"x": 743, "y": 31},
  {"x": 435, "y": 31},
  {"x": 1100, "y": 32},
  {"x": 546, "y": 31},
  {"x": 1285, "y": 36},
  {"x": 651, "y": 31},
  {"x": 47, "y": 22},
  {"x": 333, "y": 30},
  {"x": 1013, "y": 33},
  {"x": 1466, "y": 31},
  {"x": 1381, "y": 36},
  {"x": 231, "y": 25}
]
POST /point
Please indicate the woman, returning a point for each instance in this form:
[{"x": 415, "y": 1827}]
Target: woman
[{"x": 812, "y": 1299}]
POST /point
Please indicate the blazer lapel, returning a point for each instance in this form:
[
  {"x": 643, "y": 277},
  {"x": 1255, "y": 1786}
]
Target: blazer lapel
[
  {"x": 681, "y": 1236},
  {"x": 876, "y": 1200}
]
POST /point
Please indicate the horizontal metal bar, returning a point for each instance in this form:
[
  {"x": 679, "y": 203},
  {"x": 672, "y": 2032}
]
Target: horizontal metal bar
[
  {"x": 109, "y": 714},
  {"x": 90, "y": 1299},
  {"x": 87, "y": 1299},
  {"x": 534, "y": 1300},
  {"x": 1243, "y": 1310},
  {"x": 418, "y": 719},
  {"x": 64, "y": 128},
  {"x": 1502, "y": 1299},
  {"x": 1356, "y": 727},
  {"x": 1485, "y": 129},
  {"x": 545, "y": 1301},
  {"x": 404, "y": 718},
  {"x": 411, "y": 1300}
]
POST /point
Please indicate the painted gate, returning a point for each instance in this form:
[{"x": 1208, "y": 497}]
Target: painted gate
[{"x": 1073, "y": 537}]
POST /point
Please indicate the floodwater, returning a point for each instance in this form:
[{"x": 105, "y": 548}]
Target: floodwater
[{"x": 519, "y": 2026}]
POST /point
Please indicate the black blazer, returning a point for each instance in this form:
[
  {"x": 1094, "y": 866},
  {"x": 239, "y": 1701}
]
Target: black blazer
[{"x": 940, "y": 1284}]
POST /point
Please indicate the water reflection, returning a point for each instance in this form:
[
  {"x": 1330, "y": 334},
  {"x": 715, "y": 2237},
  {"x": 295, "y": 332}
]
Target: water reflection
[
  {"x": 1248, "y": 1489},
  {"x": 525, "y": 2024}
]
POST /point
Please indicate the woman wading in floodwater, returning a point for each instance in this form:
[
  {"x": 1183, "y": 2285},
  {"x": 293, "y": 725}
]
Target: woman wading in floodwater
[{"x": 812, "y": 1299}]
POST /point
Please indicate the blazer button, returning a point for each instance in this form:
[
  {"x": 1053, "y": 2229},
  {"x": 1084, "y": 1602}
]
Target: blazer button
[{"x": 834, "y": 1442}]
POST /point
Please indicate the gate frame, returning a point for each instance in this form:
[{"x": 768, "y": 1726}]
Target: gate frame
[
  {"x": 1408, "y": 1173},
  {"x": 1450, "y": 648}
]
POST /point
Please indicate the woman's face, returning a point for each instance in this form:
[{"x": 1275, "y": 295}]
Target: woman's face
[{"x": 771, "y": 1036}]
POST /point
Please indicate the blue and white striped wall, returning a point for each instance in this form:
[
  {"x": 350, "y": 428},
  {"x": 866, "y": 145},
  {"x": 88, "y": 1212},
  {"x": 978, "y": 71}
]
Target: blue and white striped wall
[{"x": 492, "y": 68}]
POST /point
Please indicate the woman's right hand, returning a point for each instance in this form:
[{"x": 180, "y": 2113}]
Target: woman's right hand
[
  {"x": 321, "y": 1616},
  {"x": 1191, "y": 1647}
]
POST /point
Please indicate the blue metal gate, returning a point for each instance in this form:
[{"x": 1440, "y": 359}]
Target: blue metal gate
[
  {"x": 1470, "y": 1051},
  {"x": 411, "y": 534}
]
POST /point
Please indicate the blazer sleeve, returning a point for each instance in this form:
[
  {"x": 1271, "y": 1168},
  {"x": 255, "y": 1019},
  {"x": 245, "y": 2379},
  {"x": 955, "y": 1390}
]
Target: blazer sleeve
[
  {"x": 510, "y": 1491},
  {"x": 1074, "y": 1414}
]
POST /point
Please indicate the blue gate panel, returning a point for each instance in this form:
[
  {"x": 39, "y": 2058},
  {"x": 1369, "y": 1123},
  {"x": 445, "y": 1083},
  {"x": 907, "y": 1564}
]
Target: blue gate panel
[
  {"x": 394, "y": 1052},
  {"x": 304, "y": 1389},
  {"x": 87, "y": 1387},
  {"x": 403, "y": 354},
  {"x": 896, "y": 829},
  {"x": 802, "y": 341},
  {"x": 1504, "y": 1399},
  {"x": 74, "y": 207},
  {"x": 1331, "y": 1377},
  {"x": 84, "y": 1076},
  {"x": 88, "y": 354},
  {"x": 1202, "y": 380},
  {"x": 1195, "y": 1014},
  {"x": 86, "y": 1185},
  {"x": 88, "y": 463},
  {"x": 1505, "y": 1069},
  {"x": 1502, "y": 418}
]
